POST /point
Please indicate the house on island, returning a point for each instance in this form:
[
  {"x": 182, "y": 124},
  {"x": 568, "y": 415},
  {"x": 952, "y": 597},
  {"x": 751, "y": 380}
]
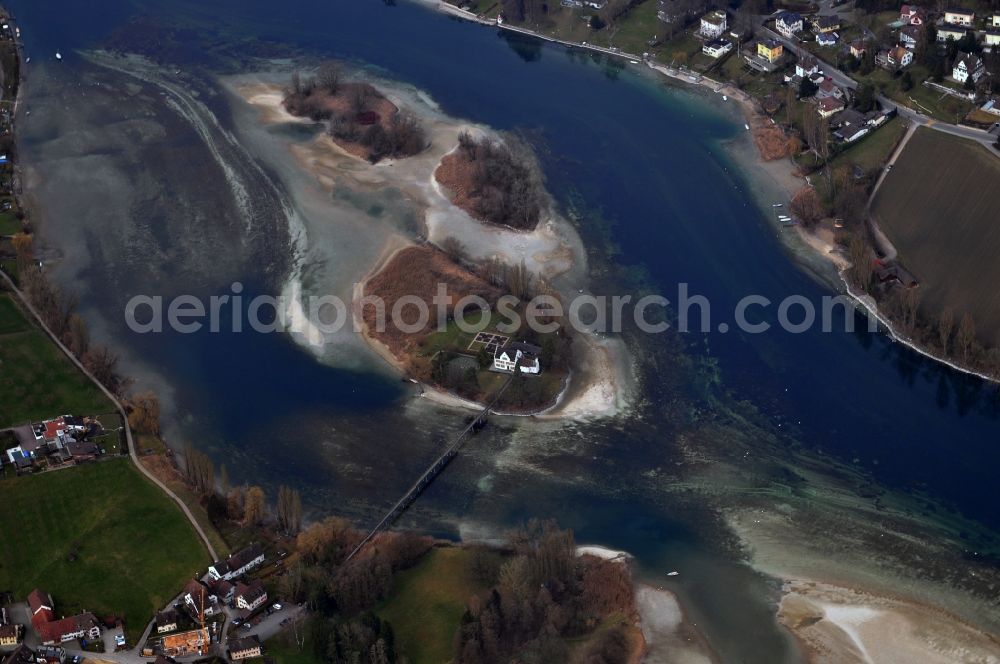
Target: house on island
[
  {"x": 238, "y": 563},
  {"x": 713, "y": 24},
  {"x": 789, "y": 24},
  {"x": 519, "y": 355},
  {"x": 959, "y": 17},
  {"x": 716, "y": 48},
  {"x": 244, "y": 648},
  {"x": 968, "y": 65}
]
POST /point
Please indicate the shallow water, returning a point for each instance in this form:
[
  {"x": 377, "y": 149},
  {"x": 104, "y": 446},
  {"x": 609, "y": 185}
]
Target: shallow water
[{"x": 138, "y": 181}]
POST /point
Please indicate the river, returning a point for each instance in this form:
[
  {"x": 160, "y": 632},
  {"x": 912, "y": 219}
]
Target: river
[{"x": 842, "y": 434}]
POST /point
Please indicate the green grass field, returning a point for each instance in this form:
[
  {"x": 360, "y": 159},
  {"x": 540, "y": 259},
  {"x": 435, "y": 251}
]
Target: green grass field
[
  {"x": 133, "y": 548},
  {"x": 9, "y": 223},
  {"x": 427, "y": 603},
  {"x": 938, "y": 207},
  {"x": 36, "y": 379}
]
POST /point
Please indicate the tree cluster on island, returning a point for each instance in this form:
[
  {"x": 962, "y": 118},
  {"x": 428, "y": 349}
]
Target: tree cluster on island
[
  {"x": 357, "y": 114},
  {"x": 501, "y": 180}
]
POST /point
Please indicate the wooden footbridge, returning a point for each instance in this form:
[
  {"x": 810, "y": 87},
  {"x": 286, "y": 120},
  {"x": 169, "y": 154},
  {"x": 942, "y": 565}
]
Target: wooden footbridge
[{"x": 432, "y": 472}]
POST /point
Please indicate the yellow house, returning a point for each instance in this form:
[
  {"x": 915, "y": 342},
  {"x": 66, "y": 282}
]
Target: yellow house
[{"x": 770, "y": 49}]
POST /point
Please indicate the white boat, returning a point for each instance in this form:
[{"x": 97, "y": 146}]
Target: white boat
[
  {"x": 635, "y": 62},
  {"x": 27, "y": 60},
  {"x": 747, "y": 126},
  {"x": 777, "y": 204},
  {"x": 725, "y": 98},
  {"x": 58, "y": 55},
  {"x": 672, "y": 573}
]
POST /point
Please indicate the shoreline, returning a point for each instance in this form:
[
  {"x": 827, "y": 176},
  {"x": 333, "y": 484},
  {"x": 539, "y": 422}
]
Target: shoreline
[{"x": 820, "y": 247}]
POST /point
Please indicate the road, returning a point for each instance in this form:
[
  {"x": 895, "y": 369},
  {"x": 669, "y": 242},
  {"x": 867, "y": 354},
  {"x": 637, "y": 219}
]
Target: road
[{"x": 845, "y": 81}]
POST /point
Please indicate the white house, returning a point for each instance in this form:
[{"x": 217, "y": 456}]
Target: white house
[
  {"x": 249, "y": 598},
  {"x": 716, "y": 48},
  {"x": 995, "y": 21},
  {"x": 827, "y": 38},
  {"x": 806, "y": 66},
  {"x": 952, "y": 32},
  {"x": 166, "y": 621},
  {"x": 908, "y": 36},
  {"x": 788, "y": 24},
  {"x": 959, "y": 17},
  {"x": 894, "y": 58},
  {"x": 520, "y": 355},
  {"x": 199, "y": 601},
  {"x": 713, "y": 24},
  {"x": 829, "y": 106},
  {"x": 237, "y": 564},
  {"x": 992, "y": 37},
  {"x": 246, "y": 647},
  {"x": 968, "y": 65}
]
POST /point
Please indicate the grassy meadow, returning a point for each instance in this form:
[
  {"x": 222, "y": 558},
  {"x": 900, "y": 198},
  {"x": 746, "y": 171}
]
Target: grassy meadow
[
  {"x": 36, "y": 380},
  {"x": 97, "y": 537}
]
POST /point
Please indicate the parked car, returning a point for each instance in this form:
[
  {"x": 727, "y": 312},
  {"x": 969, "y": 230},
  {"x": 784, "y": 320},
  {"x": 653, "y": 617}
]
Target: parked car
[{"x": 276, "y": 606}]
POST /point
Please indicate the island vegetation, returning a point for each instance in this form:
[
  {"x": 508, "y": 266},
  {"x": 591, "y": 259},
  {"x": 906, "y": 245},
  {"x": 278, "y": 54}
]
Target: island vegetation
[
  {"x": 360, "y": 119},
  {"x": 496, "y": 181},
  {"x": 457, "y": 360}
]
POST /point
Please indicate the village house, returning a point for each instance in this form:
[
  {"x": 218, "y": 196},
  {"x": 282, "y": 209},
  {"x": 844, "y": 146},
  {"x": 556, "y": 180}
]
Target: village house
[
  {"x": 991, "y": 106},
  {"x": 959, "y": 17},
  {"x": 166, "y": 621},
  {"x": 994, "y": 21},
  {"x": 806, "y": 66},
  {"x": 58, "y": 436},
  {"x": 991, "y": 38},
  {"x": 951, "y": 32},
  {"x": 716, "y": 48},
  {"x": 908, "y": 36},
  {"x": 224, "y": 590},
  {"x": 199, "y": 602},
  {"x": 858, "y": 48},
  {"x": 713, "y": 24},
  {"x": 850, "y": 125},
  {"x": 80, "y": 626},
  {"x": 894, "y": 58},
  {"x": 10, "y": 635},
  {"x": 249, "y": 598},
  {"x": 237, "y": 564},
  {"x": 789, "y": 24},
  {"x": 827, "y": 39},
  {"x": 968, "y": 65},
  {"x": 827, "y": 89},
  {"x": 912, "y": 15},
  {"x": 518, "y": 354},
  {"x": 829, "y": 106},
  {"x": 244, "y": 648},
  {"x": 824, "y": 24},
  {"x": 40, "y": 608},
  {"x": 770, "y": 49}
]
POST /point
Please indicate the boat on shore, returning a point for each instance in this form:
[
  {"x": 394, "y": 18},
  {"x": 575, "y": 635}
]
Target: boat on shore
[{"x": 58, "y": 55}]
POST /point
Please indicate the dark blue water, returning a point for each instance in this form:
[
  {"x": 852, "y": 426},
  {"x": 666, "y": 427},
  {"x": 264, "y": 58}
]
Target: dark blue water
[{"x": 672, "y": 207}]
